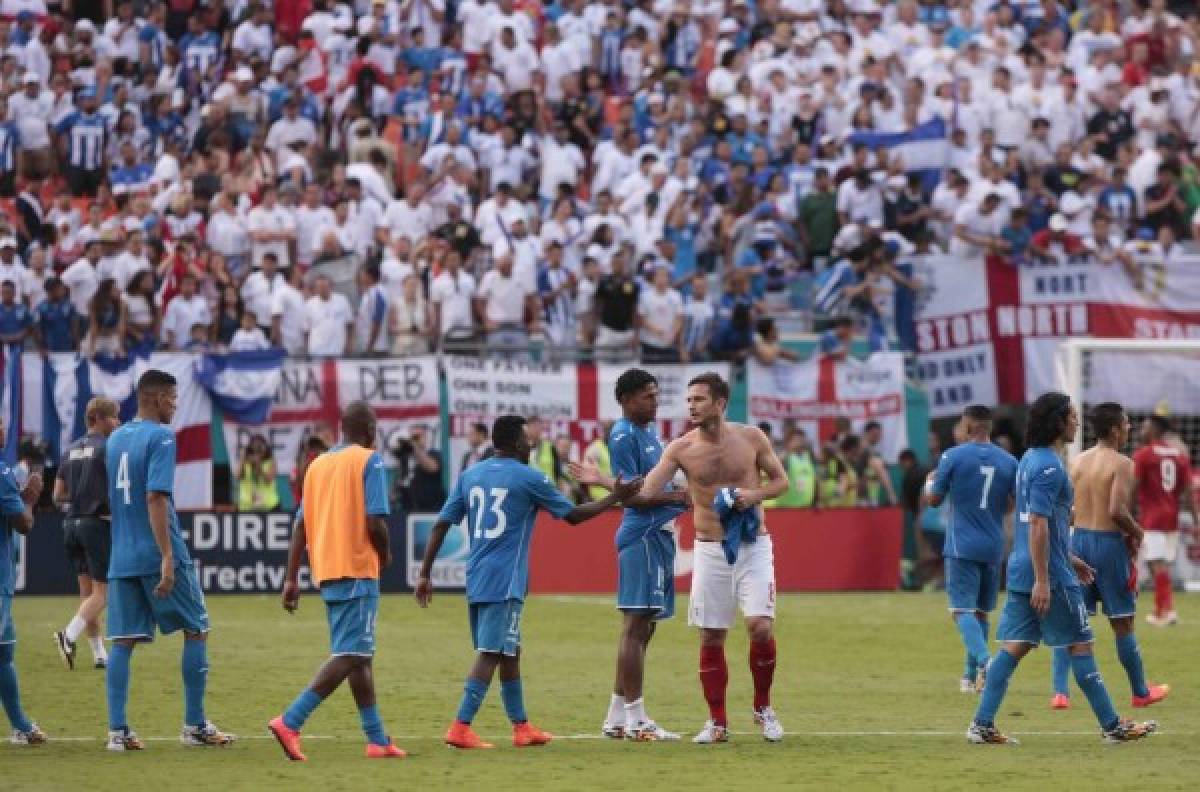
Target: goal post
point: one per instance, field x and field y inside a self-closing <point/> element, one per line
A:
<point x="1145" y="375"/>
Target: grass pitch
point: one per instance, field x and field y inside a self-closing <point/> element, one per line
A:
<point x="866" y="687"/>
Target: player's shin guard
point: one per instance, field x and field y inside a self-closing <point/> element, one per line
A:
<point x="299" y="710"/>
<point x="972" y="636"/>
<point x="1087" y="676"/>
<point x="762" y="669"/>
<point x="372" y="725"/>
<point x="116" y="682"/>
<point x="474" y="692"/>
<point x="1164" y="597"/>
<point x="714" y="676"/>
<point x="1131" y="658"/>
<point x="1060" y="666"/>
<point x="513" y="696"/>
<point x="195" y="680"/>
<point x="10" y="693"/>
<point x="999" y="672"/>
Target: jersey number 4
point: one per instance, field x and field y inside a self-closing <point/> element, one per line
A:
<point x="479" y="500"/>
<point x="123" y="477"/>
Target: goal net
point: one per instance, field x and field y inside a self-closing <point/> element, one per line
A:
<point x="1146" y="377"/>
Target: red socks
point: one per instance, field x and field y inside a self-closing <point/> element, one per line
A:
<point x="1163" y="596"/>
<point x="714" y="676"/>
<point x="762" y="668"/>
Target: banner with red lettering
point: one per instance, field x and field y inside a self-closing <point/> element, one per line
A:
<point x="312" y="394"/>
<point x="813" y="393"/>
<point x="989" y="332"/>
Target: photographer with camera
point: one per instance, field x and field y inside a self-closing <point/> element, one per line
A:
<point x="419" y="486"/>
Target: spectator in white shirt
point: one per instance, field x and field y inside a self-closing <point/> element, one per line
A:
<point x="660" y="314"/>
<point x="504" y="301"/>
<point x="81" y="278"/>
<point x="32" y="109"/>
<point x="226" y="234"/>
<point x="290" y="130"/>
<point x="977" y="228"/>
<point x="330" y="320"/>
<point x="271" y="228"/>
<point x="249" y="337"/>
<point x="289" y="315"/>
<point x="311" y="216"/>
<point x="451" y="295"/>
<point x="259" y="289"/>
<point x="185" y="310"/>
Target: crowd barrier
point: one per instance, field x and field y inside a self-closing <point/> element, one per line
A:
<point x="246" y="553"/>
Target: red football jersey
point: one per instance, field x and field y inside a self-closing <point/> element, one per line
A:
<point x="1162" y="473"/>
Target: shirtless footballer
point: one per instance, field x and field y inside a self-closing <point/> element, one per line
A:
<point x="719" y="454"/>
<point x="1106" y="537"/>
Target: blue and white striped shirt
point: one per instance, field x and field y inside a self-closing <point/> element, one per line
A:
<point x="87" y="138"/>
<point x="559" y="312"/>
<point x="10" y="141"/>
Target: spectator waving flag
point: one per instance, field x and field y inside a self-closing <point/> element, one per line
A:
<point x="924" y="149"/>
<point x="242" y="384"/>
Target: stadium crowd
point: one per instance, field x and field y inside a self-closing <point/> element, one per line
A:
<point x="648" y="178"/>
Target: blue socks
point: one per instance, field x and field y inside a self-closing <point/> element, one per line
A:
<point x="1087" y="676"/>
<point x="473" y="693"/>
<point x="1131" y="658"/>
<point x="10" y="694"/>
<point x="299" y="710"/>
<point x="372" y="725"/>
<point x="973" y="638"/>
<point x="514" y="700"/>
<point x="999" y="672"/>
<point x="116" y="680"/>
<point x="1060" y="664"/>
<point x="195" y="679"/>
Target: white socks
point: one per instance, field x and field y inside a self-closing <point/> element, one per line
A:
<point x="635" y="714"/>
<point x="75" y="628"/>
<point x="616" y="711"/>
<point x="98" y="652"/>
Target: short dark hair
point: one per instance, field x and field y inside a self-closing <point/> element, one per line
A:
<point x="154" y="379"/>
<point x="481" y="428"/>
<point x="718" y="388"/>
<point x="1161" y="423"/>
<point x="633" y="381"/>
<point x="869" y="425"/>
<point x="1047" y="419"/>
<point x="906" y="455"/>
<point x="1105" y="417"/>
<point x="506" y="431"/>
<point x="357" y="419"/>
<point x="979" y="413"/>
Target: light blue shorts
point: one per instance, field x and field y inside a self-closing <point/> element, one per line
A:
<point x="646" y="575"/>
<point x="351" y="607"/>
<point x="972" y="585"/>
<point x="1104" y="551"/>
<point x="1065" y="623"/>
<point x="134" y="610"/>
<point x="496" y="626"/>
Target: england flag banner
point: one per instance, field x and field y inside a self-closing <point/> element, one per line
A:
<point x="813" y="393"/>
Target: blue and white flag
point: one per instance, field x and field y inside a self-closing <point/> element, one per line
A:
<point x="116" y="378"/>
<point x="242" y="384"/>
<point x="66" y="390"/>
<point x="924" y="149"/>
<point x="10" y="409"/>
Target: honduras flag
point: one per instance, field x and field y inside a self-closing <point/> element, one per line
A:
<point x="242" y="384"/>
<point x="924" y="149"/>
<point x="66" y="389"/>
<point x="116" y="378"/>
